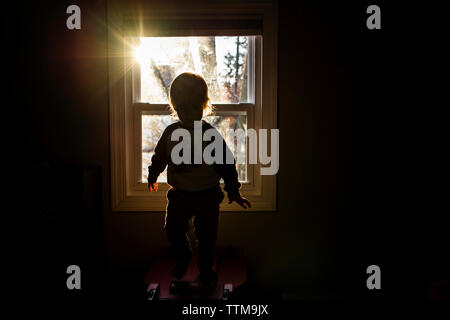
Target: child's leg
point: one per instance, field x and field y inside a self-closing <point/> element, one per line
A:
<point x="206" y="231"/>
<point x="176" y="226"/>
<point x="206" y="224"/>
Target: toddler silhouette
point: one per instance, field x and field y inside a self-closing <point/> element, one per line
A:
<point x="195" y="188"/>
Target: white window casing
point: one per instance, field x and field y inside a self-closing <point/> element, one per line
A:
<point x="255" y="19"/>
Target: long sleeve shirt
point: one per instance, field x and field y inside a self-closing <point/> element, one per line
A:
<point x="192" y="177"/>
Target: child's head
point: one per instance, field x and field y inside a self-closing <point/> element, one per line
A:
<point x="189" y="97"/>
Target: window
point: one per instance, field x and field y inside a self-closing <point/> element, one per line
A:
<point x="147" y="51"/>
<point x="226" y="63"/>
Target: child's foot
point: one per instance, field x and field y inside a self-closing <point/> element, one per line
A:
<point x="180" y="268"/>
<point x="209" y="277"/>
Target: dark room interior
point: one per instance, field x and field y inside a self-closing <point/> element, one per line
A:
<point x="341" y="188"/>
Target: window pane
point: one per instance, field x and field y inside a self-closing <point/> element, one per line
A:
<point x="222" y="61"/>
<point x="152" y="129"/>
<point x="153" y="126"/>
<point x="238" y="143"/>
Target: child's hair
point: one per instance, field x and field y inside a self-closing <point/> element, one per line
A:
<point x="188" y="97"/>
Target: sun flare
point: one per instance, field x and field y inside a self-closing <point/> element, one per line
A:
<point x="140" y="54"/>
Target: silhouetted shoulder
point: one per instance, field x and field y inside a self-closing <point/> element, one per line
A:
<point x="171" y="128"/>
<point x="207" y="126"/>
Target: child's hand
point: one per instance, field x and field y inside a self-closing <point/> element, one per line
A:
<point x="152" y="187"/>
<point x="243" y="202"/>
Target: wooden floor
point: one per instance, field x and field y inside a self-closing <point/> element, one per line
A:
<point x="228" y="262"/>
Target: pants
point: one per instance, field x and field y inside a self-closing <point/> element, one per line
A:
<point x="204" y="206"/>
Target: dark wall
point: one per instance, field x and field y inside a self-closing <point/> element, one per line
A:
<point x="310" y="246"/>
<point x="299" y="249"/>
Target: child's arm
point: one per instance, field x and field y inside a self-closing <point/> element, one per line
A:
<point x="230" y="176"/>
<point x="243" y="202"/>
<point x="159" y="161"/>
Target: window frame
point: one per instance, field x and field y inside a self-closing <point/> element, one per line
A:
<point x="127" y="192"/>
<point x="253" y="93"/>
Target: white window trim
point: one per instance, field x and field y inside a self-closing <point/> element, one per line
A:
<point x="127" y="193"/>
